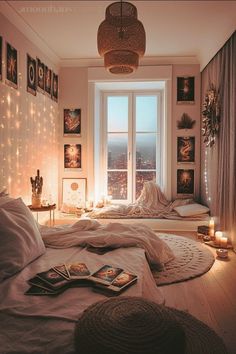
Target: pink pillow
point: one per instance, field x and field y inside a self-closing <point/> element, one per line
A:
<point x="20" y="239"/>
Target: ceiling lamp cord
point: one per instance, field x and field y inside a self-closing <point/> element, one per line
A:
<point x="121" y="38"/>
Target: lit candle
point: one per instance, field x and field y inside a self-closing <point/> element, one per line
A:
<point x="211" y="227"/>
<point x="218" y="236"/>
<point x="223" y="242"/>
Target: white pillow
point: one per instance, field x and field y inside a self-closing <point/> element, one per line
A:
<point x="4" y="193"/>
<point x="5" y="199"/>
<point x="191" y="209"/>
<point x="20" y="239"/>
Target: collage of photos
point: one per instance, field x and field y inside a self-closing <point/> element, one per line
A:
<point x="185" y="144"/>
<point x="73" y="189"/>
<point x="39" y="77"/>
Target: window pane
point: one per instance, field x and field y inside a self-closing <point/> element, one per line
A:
<point x="117" y="114"/>
<point x="145" y="151"/>
<point x="117" y="151"/>
<point x="146" y="113"/>
<point x="117" y="184"/>
<point x="142" y="177"/>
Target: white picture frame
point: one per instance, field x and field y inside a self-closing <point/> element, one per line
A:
<point x="74" y="192"/>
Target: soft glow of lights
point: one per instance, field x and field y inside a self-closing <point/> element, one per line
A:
<point x="206" y="176"/>
<point x="8" y="99"/>
<point x="28" y="140"/>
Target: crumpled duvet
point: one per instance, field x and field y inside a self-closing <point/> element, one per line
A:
<point x="87" y="232"/>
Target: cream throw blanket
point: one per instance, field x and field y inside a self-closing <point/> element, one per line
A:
<point x="152" y="203"/>
<point x="86" y="232"/>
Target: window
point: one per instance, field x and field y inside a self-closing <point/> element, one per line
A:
<point x="131" y="142"/>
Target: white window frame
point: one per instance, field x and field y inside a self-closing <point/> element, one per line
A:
<point x="131" y="153"/>
<point x="98" y="80"/>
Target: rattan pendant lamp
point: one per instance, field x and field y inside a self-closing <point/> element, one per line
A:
<point x="121" y="38"/>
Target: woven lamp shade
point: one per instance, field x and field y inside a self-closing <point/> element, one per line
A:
<point x="121" y="38"/>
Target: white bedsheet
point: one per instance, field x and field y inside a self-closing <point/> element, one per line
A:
<point x="45" y="324"/>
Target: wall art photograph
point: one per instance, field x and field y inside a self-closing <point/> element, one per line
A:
<point x="72" y="156"/>
<point x="185" y="90"/>
<point x="11" y="66"/>
<point x="0" y="58"/>
<point x="48" y="80"/>
<point x="74" y="192"/>
<point x="185" y="181"/>
<point x="31" y="75"/>
<point x="72" y="122"/>
<point x="54" y="87"/>
<point x="185" y="149"/>
<point x="40" y="76"/>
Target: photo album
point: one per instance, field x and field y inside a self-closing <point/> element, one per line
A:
<point x="108" y="279"/>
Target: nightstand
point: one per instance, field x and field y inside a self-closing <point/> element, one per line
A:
<point x="51" y="208"/>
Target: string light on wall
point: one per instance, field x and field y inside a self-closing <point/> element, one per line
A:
<point x="206" y="177"/>
<point x="121" y="38"/>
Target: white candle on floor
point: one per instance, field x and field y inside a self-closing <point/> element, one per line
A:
<point x="211" y="227"/>
<point x="218" y="236"/>
<point x="223" y="242"/>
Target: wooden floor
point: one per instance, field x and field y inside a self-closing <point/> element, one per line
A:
<point x="211" y="297"/>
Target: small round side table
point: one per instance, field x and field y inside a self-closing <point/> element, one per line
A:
<point x="51" y="208"/>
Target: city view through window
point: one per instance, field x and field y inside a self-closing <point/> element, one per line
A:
<point x="132" y="140"/>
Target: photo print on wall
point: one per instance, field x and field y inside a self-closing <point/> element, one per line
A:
<point x="48" y="80"/>
<point x="11" y="66"/>
<point x="185" y="181"/>
<point x="74" y="191"/>
<point x="185" y="90"/>
<point x="185" y="149"/>
<point x="40" y="76"/>
<point x="0" y="58"/>
<point x="186" y="122"/>
<point x="54" y="87"/>
<point x="72" y="156"/>
<point x="72" y="122"/>
<point x="31" y="75"/>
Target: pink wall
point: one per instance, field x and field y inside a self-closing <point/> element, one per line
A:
<point x="28" y="125"/>
<point x="74" y="94"/>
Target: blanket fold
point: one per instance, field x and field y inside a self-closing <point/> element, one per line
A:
<point x="86" y="232"/>
<point x="152" y="203"/>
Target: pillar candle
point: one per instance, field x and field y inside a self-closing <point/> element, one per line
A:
<point x="223" y="242"/>
<point x="211" y="227"/>
<point x="218" y="236"/>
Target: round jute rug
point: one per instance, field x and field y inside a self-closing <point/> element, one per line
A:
<point x="191" y="260"/>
